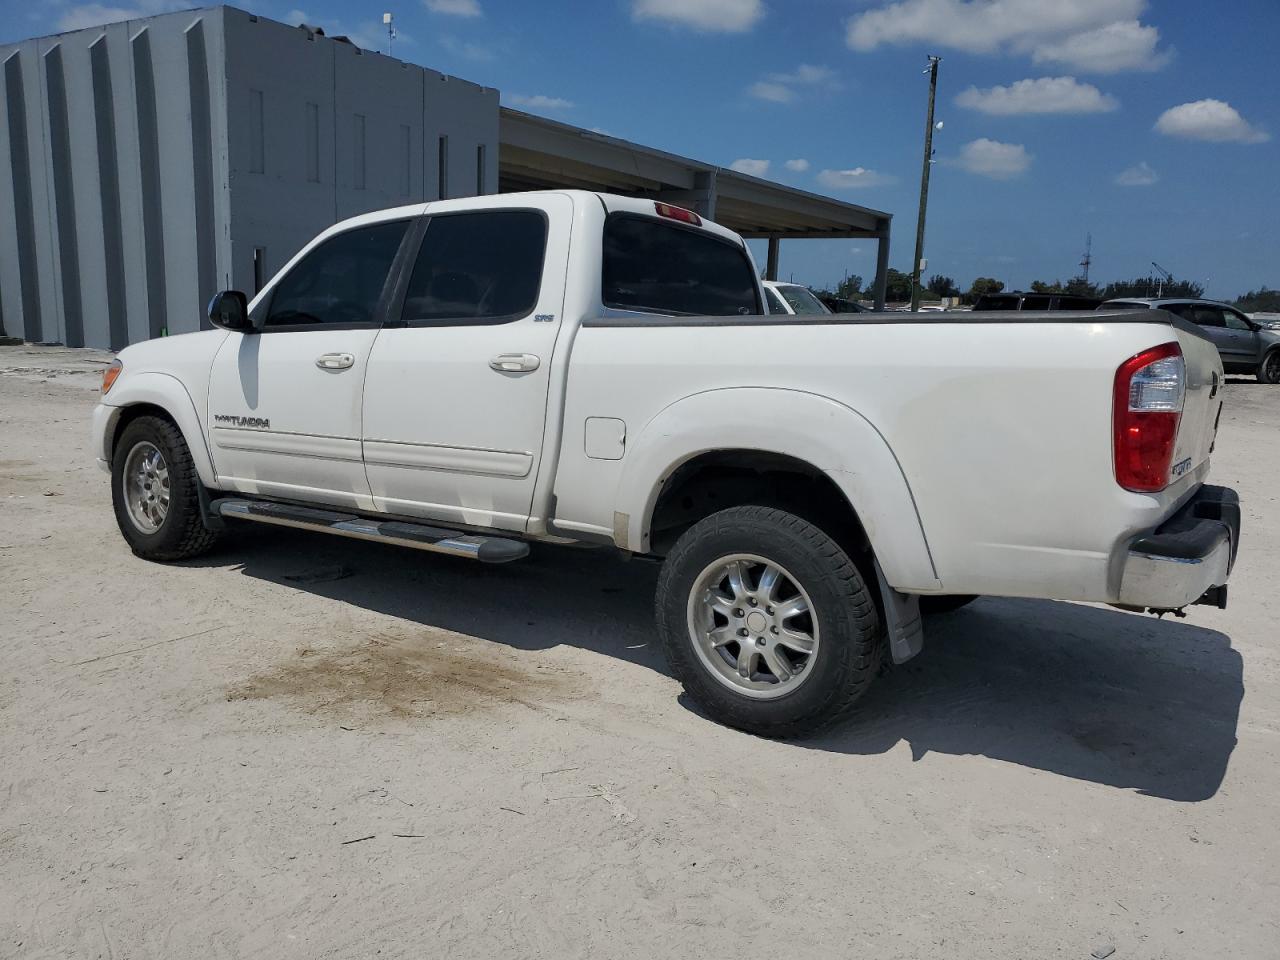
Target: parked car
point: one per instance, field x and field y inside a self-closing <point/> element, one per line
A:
<point x="791" y="299"/>
<point x="1035" y="301"/>
<point x="1246" y="345"/>
<point x="473" y="376"/>
<point x="842" y="305"/>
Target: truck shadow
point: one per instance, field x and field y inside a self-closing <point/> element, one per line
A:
<point x="1085" y="692"/>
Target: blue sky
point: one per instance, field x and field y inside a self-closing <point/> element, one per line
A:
<point x="1155" y="126"/>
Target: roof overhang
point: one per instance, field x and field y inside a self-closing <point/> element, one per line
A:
<point x="538" y="154"/>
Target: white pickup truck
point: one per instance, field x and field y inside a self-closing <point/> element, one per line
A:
<point x="472" y="376"/>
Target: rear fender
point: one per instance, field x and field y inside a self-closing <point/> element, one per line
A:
<point x="814" y="429"/>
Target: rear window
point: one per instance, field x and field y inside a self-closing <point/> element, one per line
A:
<point x="662" y="268"/>
<point x="989" y="302"/>
<point x="775" y="303"/>
<point x="802" y="300"/>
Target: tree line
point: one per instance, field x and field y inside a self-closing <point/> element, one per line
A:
<point x="939" y="286"/>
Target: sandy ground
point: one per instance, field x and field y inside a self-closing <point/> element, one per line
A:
<point x="244" y="757"/>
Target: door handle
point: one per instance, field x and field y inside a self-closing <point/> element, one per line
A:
<point x="335" y="361"/>
<point x="514" y="362"/>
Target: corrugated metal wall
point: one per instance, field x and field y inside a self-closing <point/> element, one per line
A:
<point x="145" y="165"/>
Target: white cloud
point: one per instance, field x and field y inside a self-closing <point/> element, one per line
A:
<point x="799" y="165"/>
<point x="454" y="8"/>
<point x="755" y="168"/>
<point x="855" y="178"/>
<point x="1091" y="35"/>
<point x="806" y="73"/>
<point x="1211" y="120"/>
<point x="539" y="102"/>
<point x="1139" y="175"/>
<point x="96" y="14"/>
<point x="991" y="158"/>
<point x="711" y="16"/>
<point x="465" y="50"/>
<point x="773" y="92"/>
<point x="781" y="87"/>
<point x="1123" y="45"/>
<point x="1042" y="95"/>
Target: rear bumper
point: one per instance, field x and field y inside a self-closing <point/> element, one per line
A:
<point x="1187" y="557"/>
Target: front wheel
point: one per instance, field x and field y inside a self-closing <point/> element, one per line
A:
<point x="154" y="492"/>
<point x="766" y="622"/>
<point x="1269" y="369"/>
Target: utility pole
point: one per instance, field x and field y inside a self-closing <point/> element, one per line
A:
<point x="924" y="183"/>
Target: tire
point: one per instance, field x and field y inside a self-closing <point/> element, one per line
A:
<point x="946" y="603"/>
<point x="812" y="572"/>
<point x="1269" y="368"/>
<point x="153" y="530"/>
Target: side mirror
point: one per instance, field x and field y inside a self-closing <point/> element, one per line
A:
<point x="230" y="310"/>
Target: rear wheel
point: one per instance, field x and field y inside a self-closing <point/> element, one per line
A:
<point x="1269" y="369"/>
<point x="155" y="494"/>
<point x="767" y="622"/>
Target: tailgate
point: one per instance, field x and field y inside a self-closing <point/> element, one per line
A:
<point x="1203" y="403"/>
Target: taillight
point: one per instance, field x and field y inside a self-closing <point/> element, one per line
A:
<point x="677" y="213"/>
<point x="1147" y="407"/>
<point x="109" y="375"/>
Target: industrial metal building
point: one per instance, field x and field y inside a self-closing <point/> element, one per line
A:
<point x="146" y="164"/>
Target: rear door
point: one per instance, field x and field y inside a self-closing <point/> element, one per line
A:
<point x="456" y="394"/>
<point x="284" y="404"/>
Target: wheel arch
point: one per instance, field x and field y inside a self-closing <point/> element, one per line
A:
<point x="161" y="395"/>
<point x="833" y="447"/>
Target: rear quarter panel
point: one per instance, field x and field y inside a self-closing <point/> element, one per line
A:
<point x="1002" y="431"/>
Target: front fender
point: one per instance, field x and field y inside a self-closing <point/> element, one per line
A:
<point x="170" y="395"/>
<point x="817" y="430"/>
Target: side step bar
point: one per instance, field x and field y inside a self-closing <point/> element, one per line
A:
<point x="420" y="536"/>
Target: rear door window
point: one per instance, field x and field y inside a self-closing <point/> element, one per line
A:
<point x="1207" y="316"/>
<point x="480" y="267"/>
<point x="657" y="267"/>
<point x="775" y="302"/>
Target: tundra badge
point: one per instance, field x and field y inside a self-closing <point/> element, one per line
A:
<point x="230" y="420"/>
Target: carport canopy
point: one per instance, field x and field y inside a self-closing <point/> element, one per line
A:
<point x="539" y="154"/>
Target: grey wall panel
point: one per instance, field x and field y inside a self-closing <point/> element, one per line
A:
<point x="279" y="209"/>
<point x="388" y="95"/>
<point x="10" y="295"/>
<point x="177" y="189"/>
<point x="150" y="186"/>
<point x="201" y="168"/>
<point x="468" y="115"/>
<point x="64" y="197"/>
<point x="108" y="174"/>
<point x="90" y="277"/>
<point x="48" y="267"/>
<point x="22" y="288"/>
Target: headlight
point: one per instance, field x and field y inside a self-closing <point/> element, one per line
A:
<point x="110" y="374"/>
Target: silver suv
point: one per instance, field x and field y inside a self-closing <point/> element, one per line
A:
<point x="1245" y="345"/>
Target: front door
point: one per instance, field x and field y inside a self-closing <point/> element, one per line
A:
<point x="284" y="404"/>
<point x="456" y="395"/>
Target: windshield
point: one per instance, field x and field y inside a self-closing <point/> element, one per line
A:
<point x="802" y="301"/>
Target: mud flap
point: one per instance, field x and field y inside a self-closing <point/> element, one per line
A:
<point x="902" y="620"/>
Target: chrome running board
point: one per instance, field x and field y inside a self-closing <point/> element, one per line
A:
<point x="419" y="536"/>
